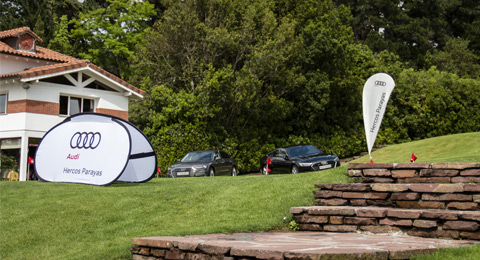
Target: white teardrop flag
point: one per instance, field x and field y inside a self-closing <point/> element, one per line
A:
<point x="376" y="93"/>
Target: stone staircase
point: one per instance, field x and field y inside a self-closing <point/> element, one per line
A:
<point x="436" y="200"/>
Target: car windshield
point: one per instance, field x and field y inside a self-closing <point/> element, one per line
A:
<point x="198" y="157"/>
<point x="303" y="151"/>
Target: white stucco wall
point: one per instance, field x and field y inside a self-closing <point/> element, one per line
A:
<point x="13" y="63"/>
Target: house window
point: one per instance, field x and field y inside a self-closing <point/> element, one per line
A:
<point x="3" y="103"/>
<point x="74" y="105"/>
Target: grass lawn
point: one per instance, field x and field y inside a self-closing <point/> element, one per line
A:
<point x="71" y="221"/>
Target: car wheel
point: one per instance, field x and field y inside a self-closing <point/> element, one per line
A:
<point x="264" y="170"/>
<point x="294" y="169"/>
<point x="234" y="171"/>
<point x="211" y="172"/>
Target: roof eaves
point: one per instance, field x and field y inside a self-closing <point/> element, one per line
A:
<point x="118" y="81"/>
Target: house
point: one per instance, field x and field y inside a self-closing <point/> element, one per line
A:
<point x="39" y="88"/>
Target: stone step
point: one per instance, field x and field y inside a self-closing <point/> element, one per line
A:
<point x="414" y="222"/>
<point x="457" y="196"/>
<point x="415" y="172"/>
<point x="288" y="246"/>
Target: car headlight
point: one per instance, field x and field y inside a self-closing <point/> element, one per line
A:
<point x="305" y="164"/>
<point x="199" y="167"/>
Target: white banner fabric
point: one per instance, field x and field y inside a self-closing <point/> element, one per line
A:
<point x="376" y="93"/>
<point x="94" y="149"/>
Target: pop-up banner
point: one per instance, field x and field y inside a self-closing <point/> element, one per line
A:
<point x="96" y="149"/>
<point x="376" y="93"/>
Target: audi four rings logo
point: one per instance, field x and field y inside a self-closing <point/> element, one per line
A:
<point x="85" y="140"/>
<point x="380" y="83"/>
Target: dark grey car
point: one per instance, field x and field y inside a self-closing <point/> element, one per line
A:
<point x="204" y="163"/>
<point x="298" y="158"/>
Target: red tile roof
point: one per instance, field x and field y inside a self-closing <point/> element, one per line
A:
<point x="65" y="62"/>
<point x="19" y="31"/>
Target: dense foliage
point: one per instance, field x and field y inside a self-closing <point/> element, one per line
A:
<point x="247" y="76"/>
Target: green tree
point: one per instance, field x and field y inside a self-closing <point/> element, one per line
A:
<point x="411" y="28"/>
<point x="108" y="36"/>
<point x="257" y="74"/>
<point x="36" y="14"/>
<point x="456" y="58"/>
<point x="61" y="40"/>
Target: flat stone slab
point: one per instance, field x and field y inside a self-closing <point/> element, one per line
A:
<point x="290" y="245"/>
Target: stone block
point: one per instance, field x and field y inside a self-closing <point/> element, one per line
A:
<point x="470" y="172"/>
<point x="421" y="223"/>
<point x="380" y="229"/>
<point x="158" y="252"/>
<point x="358" y="202"/>
<point x="420" y="204"/>
<point x="185" y="246"/>
<point x="396" y="222"/>
<point x="342" y="211"/>
<point x="371" y="212"/>
<point x="471" y="187"/>
<point x="365" y="195"/>
<point x="461" y="225"/>
<point x="438" y="173"/>
<point x="465" y="179"/>
<point x="351" y="187"/>
<point x="416" y="232"/>
<point x="470" y="235"/>
<point x="315" y="219"/>
<point x="425" y="180"/>
<point x="360" y="221"/>
<point x="310" y="227"/>
<point x="436" y="188"/>
<point x="405" y="196"/>
<point x="463" y="205"/>
<point x="377" y="180"/>
<point x="340" y="228"/>
<point x="370" y="166"/>
<point x="331" y="202"/>
<point x="447" y="197"/>
<point x="453" y="234"/>
<point x="455" y="165"/>
<point x="400" y="174"/>
<point x="384" y="187"/>
<point x="402" y="213"/>
<point x="143" y="251"/>
<point x="475" y="215"/>
<point x="413" y="166"/>
<point x="380" y="203"/>
<point x="476" y="198"/>
<point x="197" y="256"/>
<point x="336" y="220"/>
<point x="327" y="194"/>
<point x="354" y="173"/>
<point x="445" y="215"/>
<point x="213" y="250"/>
<point x="376" y="172"/>
<point x="174" y="254"/>
<point x="256" y="253"/>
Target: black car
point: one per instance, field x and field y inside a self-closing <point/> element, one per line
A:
<point x="204" y="163"/>
<point x="298" y="158"/>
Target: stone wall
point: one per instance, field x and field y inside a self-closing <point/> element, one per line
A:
<point x="415" y="222"/>
<point x="457" y="196"/>
<point x="415" y="172"/>
<point x="419" y="199"/>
